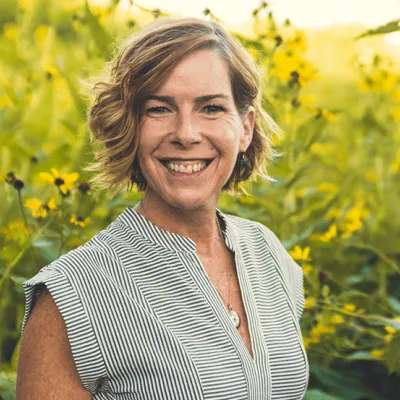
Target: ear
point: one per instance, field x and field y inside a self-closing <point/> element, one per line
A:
<point x="248" y="121"/>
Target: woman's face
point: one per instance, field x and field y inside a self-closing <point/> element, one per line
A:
<point x="191" y="120"/>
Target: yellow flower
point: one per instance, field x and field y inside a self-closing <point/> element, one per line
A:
<point x="306" y="342"/>
<point x="11" y="32"/>
<point x="63" y="181"/>
<point x="78" y="220"/>
<point x="306" y="99"/>
<point x="353" y="220"/>
<point x="337" y="319"/>
<point x="307" y="268"/>
<point x="16" y="231"/>
<point x="377" y="354"/>
<point x="284" y="64"/>
<point x="51" y="70"/>
<point x="349" y="307"/>
<point x="329" y="234"/>
<point x="297" y="43"/>
<point x="300" y="255"/>
<point x="320" y="329"/>
<point x="390" y="330"/>
<point x="309" y="302"/>
<point x="39" y="209"/>
<point x="307" y="73"/>
<point x="52" y="204"/>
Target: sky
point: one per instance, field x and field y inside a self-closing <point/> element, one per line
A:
<point x="303" y="13"/>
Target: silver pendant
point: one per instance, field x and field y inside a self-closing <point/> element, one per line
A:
<point x="234" y="318"/>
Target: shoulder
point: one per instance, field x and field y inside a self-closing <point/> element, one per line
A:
<point x="255" y="228"/>
<point x="46" y="366"/>
<point x="96" y="253"/>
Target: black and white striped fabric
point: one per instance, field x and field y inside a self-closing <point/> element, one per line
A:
<point x="145" y="322"/>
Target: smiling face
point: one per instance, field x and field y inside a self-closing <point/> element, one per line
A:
<point x="192" y="120"/>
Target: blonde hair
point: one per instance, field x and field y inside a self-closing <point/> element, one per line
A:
<point x="142" y="63"/>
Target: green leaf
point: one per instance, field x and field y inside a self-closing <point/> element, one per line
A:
<point x="48" y="247"/>
<point x="288" y="244"/>
<point x="393" y="354"/>
<point x="392" y="26"/>
<point x="315" y="394"/>
<point x="360" y="355"/>
<point x="395" y="304"/>
<point x="15" y="355"/>
<point x="348" y="386"/>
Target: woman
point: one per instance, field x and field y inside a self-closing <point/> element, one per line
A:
<point x="174" y="299"/>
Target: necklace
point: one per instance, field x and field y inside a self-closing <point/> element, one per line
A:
<point x="234" y="316"/>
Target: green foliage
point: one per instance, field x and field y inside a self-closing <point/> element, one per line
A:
<point x="334" y="203"/>
<point x="389" y="27"/>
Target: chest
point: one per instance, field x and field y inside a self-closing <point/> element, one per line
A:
<point x="170" y="336"/>
<point x="222" y="273"/>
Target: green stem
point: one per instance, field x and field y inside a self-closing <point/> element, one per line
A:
<point x="14" y="262"/>
<point x="29" y="232"/>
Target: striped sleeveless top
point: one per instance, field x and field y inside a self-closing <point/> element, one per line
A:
<point x="145" y="322"/>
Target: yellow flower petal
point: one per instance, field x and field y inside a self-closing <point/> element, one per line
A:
<point x="390" y="330"/>
<point x="52" y="204"/>
<point x="349" y="307"/>
<point x="63" y="188"/>
<point x="337" y="319"/>
<point x="70" y="178"/>
<point x="33" y="204"/>
<point x="55" y="172"/>
<point x="377" y="353"/>
<point x="47" y="177"/>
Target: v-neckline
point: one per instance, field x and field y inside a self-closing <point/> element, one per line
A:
<point x="177" y="243"/>
<point x="228" y="324"/>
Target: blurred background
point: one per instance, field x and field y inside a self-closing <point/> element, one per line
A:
<point x="331" y="80"/>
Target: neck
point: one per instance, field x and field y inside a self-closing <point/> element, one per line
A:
<point x="200" y="224"/>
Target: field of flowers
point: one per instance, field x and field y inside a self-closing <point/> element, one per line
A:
<point x="335" y="203"/>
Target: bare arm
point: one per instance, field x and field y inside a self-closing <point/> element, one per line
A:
<point x="46" y="369"/>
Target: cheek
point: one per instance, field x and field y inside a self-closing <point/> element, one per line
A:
<point x="227" y="132"/>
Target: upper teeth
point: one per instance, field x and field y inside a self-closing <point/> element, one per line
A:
<point x="188" y="169"/>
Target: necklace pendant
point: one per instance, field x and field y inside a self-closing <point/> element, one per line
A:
<point x="234" y="316"/>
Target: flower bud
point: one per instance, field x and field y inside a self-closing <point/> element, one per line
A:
<point x="18" y="184"/>
<point x="323" y="276"/>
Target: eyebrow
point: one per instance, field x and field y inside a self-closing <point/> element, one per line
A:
<point x="198" y="100"/>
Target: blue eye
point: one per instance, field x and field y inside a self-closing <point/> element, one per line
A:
<point x="214" y="108"/>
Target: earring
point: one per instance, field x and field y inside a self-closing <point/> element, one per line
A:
<point x="243" y="161"/>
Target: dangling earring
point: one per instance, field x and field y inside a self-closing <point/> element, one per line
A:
<point x="243" y="161"/>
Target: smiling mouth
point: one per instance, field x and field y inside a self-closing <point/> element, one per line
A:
<point x="185" y="170"/>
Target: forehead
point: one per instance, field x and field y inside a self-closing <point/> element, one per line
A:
<point x="201" y="73"/>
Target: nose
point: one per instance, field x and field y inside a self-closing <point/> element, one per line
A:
<point x="186" y="132"/>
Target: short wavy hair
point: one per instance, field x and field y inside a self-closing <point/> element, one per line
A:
<point x="139" y="68"/>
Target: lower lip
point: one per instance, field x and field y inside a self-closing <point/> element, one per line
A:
<point x="184" y="175"/>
